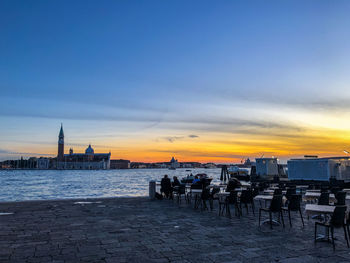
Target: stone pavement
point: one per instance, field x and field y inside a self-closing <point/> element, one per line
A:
<point x="139" y="230"/>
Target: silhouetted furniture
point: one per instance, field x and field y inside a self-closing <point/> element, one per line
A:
<point x="277" y="191"/>
<point x="324" y="199"/>
<point x="225" y="200"/>
<point x="247" y="199"/>
<point x="337" y="221"/>
<point x="294" y="205"/>
<point x="275" y="207"/>
<point x="180" y="191"/>
<point x="205" y="196"/>
<point x="213" y="196"/>
<point x="290" y="192"/>
<point x="340" y="196"/>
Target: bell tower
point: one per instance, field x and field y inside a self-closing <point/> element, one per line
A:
<point x="60" y="153"/>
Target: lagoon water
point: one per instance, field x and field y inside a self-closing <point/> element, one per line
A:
<point x="19" y="185"/>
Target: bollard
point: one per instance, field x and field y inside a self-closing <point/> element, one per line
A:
<point x="152" y="190"/>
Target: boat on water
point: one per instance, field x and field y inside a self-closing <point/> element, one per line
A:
<point x="172" y="168"/>
<point x="239" y="173"/>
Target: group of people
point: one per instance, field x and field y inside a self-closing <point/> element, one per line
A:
<point x="167" y="186"/>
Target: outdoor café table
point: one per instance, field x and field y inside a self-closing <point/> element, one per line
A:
<point x="310" y="196"/>
<point x="311" y="209"/>
<point x="302" y="188"/>
<point x="197" y="197"/>
<point x="271" y="191"/>
<point x="347" y="190"/>
<point x="243" y="183"/>
<point x="313" y="191"/>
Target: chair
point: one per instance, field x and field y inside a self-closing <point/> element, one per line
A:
<point x="294" y="205"/>
<point x="336" y="221"/>
<point x="324" y="198"/>
<point x="247" y="198"/>
<point x="224" y="204"/>
<point x="340" y="196"/>
<point x="277" y="191"/>
<point x="205" y="196"/>
<point x="290" y="192"/>
<point x="213" y="196"/>
<point x="275" y="207"/>
<point x="180" y="191"/>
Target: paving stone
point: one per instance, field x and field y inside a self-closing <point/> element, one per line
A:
<point x="139" y="230"/>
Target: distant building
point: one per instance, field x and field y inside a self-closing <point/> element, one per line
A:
<point x="43" y="163"/>
<point x="85" y="161"/>
<point x="266" y="167"/>
<point x="312" y="168"/>
<point x="120" y="164"/>
<point x="174" y="163"/>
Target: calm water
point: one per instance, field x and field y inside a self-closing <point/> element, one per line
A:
<point x="18" y="185"/>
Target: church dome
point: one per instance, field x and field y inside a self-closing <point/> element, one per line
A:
<point x="89" y="150"/>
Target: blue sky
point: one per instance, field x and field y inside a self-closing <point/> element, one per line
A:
<point x="139" y="77"/>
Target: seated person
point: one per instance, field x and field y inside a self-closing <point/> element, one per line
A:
<point x="232" y="184"/>
<point x="195" y="180"/>
<point x="166" y="186"/>
<point x="176" y="181"/>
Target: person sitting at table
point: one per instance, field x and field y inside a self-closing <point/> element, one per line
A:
<point x="232" y="184"/>
<point x="166" y="186"/>
<point x="195" y="180"/>
<point x="176" y="181"/>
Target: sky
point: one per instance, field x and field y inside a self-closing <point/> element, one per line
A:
<point x="208" y="81"/>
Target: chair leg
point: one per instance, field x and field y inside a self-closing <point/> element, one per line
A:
<point x="259" y="216"/>
<point x="270" y="214"/>
<point x="228" y="210"/>
<point x="237" y="210"/>
<point x="346" y="236"/>
<point x="282" y="218"/>
<point x="253" y="208"/>
<point x="290" y="220"/>
<point x="315" y="232"/>
<point x="332" y="234"/>
<point x="301" y="215"/>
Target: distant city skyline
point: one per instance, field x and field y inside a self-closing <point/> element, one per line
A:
<point x="206" y="81"/>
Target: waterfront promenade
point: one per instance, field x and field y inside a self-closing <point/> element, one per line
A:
<point x="139" y="230"/>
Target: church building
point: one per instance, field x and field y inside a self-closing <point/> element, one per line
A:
<point x="81" y="161"/>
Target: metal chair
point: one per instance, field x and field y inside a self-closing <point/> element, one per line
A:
<point x="246" y="199"/>
<point x="294" y="205"/>
<point x="275" y="207"/>
<point x="336" y="221"/>
<point x="340" y="196"/>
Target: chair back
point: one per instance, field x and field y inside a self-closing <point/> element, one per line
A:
<point x="324" y="189"/>
<point x="181" y="189"/>
<point x="340" y="196"/>
<point x="246" y="196"/>
<point x="335" y="190"/>
<point x="255" y="191"/>
<point x="290" y="192"/>
<point x="324" y="199"/>
<point x="205" y="194"/>
<point x="276" y="203"/>
<point x="232" y="198"/>
<point x="277" y="192"/>
<point x="294" y="202"/>
<point x="215" y="190"/>
<point x="338" y="216"/>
